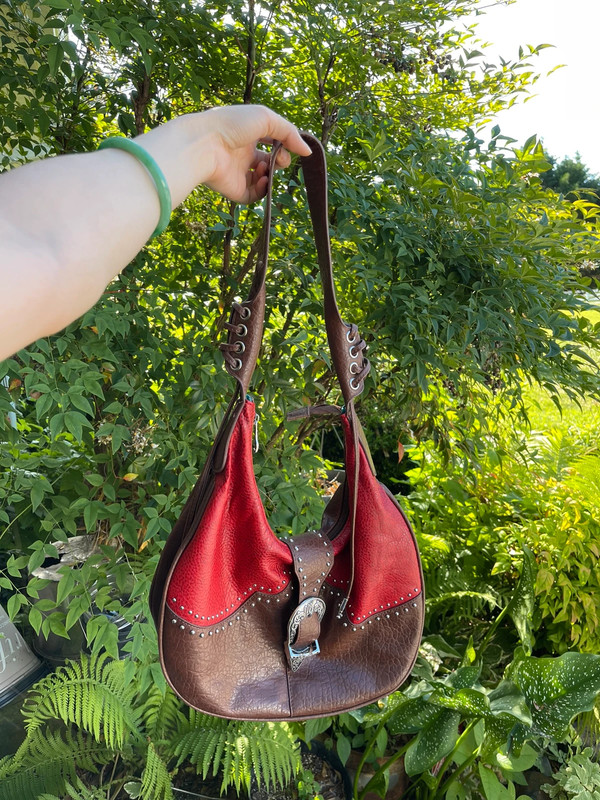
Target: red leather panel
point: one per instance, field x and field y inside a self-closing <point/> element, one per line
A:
<point x="387" y="572"/>
<point x="233" y="553"/>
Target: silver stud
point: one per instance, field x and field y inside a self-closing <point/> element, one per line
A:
<point x="216" y="630"/>
<point x="268" y="601"/>
<point x="231" y="623"/>
<point x="303" y="593"/>
<point x="210" y="633"/>
<point x="174" y="621"/>
<point x="387" y="616"/>
<point x="182" y="607"/>
<point x="296" y="547"/>
<point x="397" y="613"/>
<point x="328" y="564"/>
<point x="279" y="587"/>
<point x="190" y="612"/>
<point x="354" y="629"/>
<point x="253" y="605"/>
<point x="300" y="569"/>
<point x="182" y="627"/>
<point x="370" y="621"/>
<point x="362" y="627"/>
<point x="414" y="605"/>
<point x="192" y="632"/>
<point x="406" y="610"/>
<point x="202" y="636"/>
<point x="277" y="599"/>
<point x="245" y="611"/>
<point x="239" y="598"/>
<point x="299" y="559"/>
<point x="238" y="619"/>
<point x="259" y="598"/>
<point x="323" y="575"/>
<point x="195" y="616"/>
<point x="345" y="624"/>
<point x="409" y="594"/>
<point x="327" y="554"/>
<point x="201" y="617"/>
<point x="173" y="599"/>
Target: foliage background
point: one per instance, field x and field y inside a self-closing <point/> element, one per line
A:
<point x="465" y="272"/>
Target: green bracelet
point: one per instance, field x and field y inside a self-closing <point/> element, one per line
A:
<point x="162" y="187"/>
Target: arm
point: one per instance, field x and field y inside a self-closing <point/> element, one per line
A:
<point x="69" y="224"/>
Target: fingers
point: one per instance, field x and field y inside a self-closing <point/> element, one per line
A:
<point x="279" y="128"/>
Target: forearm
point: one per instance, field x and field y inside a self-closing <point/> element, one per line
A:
<point x="111" y="207"/>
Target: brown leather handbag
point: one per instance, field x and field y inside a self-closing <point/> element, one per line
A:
<point x="252" y="626"/>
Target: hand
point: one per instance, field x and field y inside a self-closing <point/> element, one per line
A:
<point x="238" y="169"/>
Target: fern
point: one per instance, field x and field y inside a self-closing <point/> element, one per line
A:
<point x="162" y="713"/>
<point x="239" y="749"/>
<point x="90" y="694"/>
<point x="156" y="781"/>
<point x="45" y="762"/>
<point x="585" y="478"/>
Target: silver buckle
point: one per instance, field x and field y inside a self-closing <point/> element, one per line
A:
<point x="308" y="607"/>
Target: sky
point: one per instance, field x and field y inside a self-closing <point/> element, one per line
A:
<point x="566" y="110"/>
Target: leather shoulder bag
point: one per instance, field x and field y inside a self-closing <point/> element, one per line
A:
<point x="252" y="626"/>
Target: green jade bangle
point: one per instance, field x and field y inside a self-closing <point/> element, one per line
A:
<point x="162" y="187"/>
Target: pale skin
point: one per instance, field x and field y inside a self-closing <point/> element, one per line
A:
<point x="70" y="224"/>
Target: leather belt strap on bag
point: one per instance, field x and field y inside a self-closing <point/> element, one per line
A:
<point x="252" y="626"/>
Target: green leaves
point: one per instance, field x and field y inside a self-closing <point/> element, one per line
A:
<point x="434" y="741"/>
<point x="557" y="689"/>
<point x="522" y="603"/>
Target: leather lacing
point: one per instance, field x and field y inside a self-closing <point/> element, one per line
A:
<point x="357" y="345"/>
<point x="229" y="348"/>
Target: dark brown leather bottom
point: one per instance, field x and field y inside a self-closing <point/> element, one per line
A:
<point x="241" y="665"/>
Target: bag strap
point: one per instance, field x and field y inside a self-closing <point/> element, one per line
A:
<point x="246" y="322"/>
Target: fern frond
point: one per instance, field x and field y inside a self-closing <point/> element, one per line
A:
<point x="585" y="478"/>
<point x="91" y="694"/>
<point x="45" y="762"/>
<point x="239" y="749"/>
<point x="156" y="780"/>
<point x="162" y="713"/>
<point x="452" y="596"/>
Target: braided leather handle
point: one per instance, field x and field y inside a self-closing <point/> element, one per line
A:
<point x="246" y="322"/>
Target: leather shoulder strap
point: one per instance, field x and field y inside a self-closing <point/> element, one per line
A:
<point x="247" y="319"/>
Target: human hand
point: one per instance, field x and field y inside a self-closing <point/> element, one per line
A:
<point x="237" y="169"/>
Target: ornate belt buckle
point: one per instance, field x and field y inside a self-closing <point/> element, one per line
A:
<point x="308" y="607"/>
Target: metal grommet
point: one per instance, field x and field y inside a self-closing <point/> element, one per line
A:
<point x="348" y="339"/>
<point x="354" y="384"/>
<point x="240" y="347"/>
<point x="237" y="364"/>
<point x="246" y="312"/>
<point x="354" y="368"/>
<point x="353" y="352"/>
<point x="242" y="329"/>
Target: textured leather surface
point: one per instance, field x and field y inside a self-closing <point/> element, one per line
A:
<point x="230" y="659"/>
<point x="233" y="553"/>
